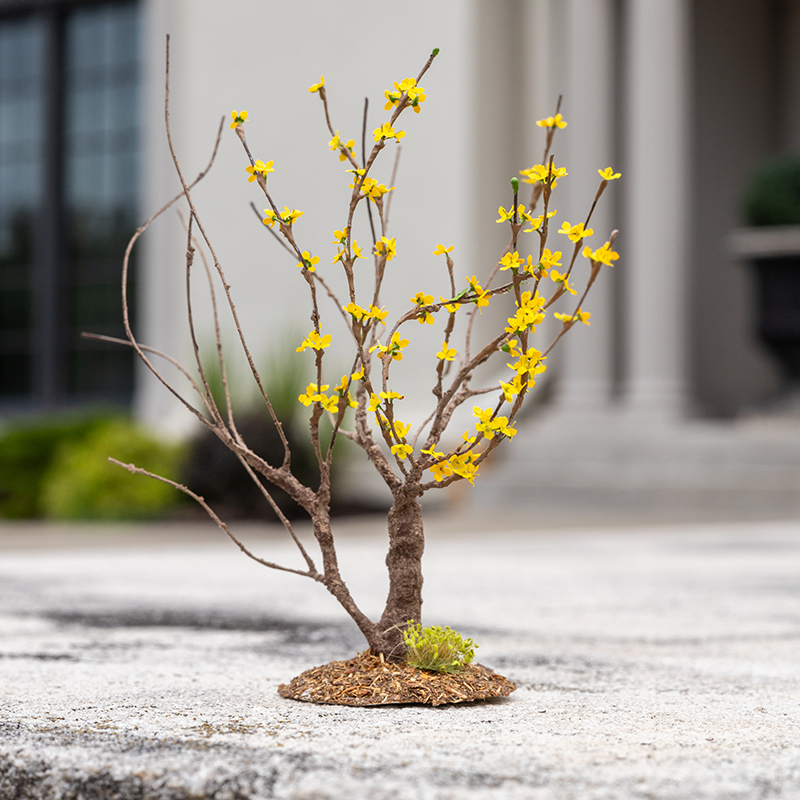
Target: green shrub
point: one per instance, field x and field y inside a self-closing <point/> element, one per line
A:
<point x="437" y="649"/>
<point x="82" y="484"/>
<point x="772" y="196"/>
<point x="27" y="450"/>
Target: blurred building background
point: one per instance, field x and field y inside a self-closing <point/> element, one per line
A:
<point x="668" y="399"/>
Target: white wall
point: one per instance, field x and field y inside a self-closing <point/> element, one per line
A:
<point x="262" y="55"/>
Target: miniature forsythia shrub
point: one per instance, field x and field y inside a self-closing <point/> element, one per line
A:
<point x="437" y="649"/>
<point x="365" y="403"/>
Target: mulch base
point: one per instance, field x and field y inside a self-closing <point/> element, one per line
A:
<point x="368" y="680"/>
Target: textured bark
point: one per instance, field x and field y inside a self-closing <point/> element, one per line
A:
<point x="404" y="562"/>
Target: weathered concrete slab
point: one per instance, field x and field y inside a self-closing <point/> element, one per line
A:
<point x="651" y="662"/>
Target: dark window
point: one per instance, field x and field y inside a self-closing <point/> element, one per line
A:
<point x="69" y="171"/>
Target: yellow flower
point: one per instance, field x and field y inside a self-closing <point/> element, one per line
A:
<point x="386" y="131"/>
<point x="386" y="247"/>
<point x="451" y="307"/>
<point x="575" y="232"/>
<point x="337" y="144"/>
<point x="290" y="217"/>
<point x="441" y="470"/>
<point x="529" y="364"/>
<point x="401" y="429"/>
<point x="557" y="277"/>
<point x="315" y="341"/>
<point x="396" y="346"/>
<point x="358" y="375"/>
<point x="408" y="86"/>
<point x="422" y="300"/>
<point x="369" y="187"/>
<point x="508" y="216"/>
<point x="374" y="402"/>
<point x="603" y="255"/>
<point x="510" y="261"/>
<point x="357" y="250"/>
<point x="550" y="260"/>
<point x="314" y="395"/>
<point x="579" y="316"/>
<point x="317" y="86"/>
<point x="512" y="389"/>
<point x="552" y="122"/>
<point x="606" y="174"/>
<point x="340" y="237"/>
<point x="536" y="222"/>
<point x="238" y="118"/>
<point x="259" y="168"/>
<point x="431" y="451"/>
<point x="539" y="173"/>
<point x="464" y="465"/>
<point x="391" y="395"/>
<point x="355" y="311"/>
<point x="402" y="450"/>
<point x="441" y="250"/>
<point x="446" y="353"/>
<point x="378" y="314"/>
<point x="481" y="297"/>
<point x="309" y="262"/>
<point x="271" y="217"/>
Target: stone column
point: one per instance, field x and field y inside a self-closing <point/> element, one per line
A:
<point x="655" y="239"/>
<point x="586" y="361"/>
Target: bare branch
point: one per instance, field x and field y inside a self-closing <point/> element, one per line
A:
<point x="202" y="503"/>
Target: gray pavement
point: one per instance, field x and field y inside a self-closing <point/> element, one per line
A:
<point x="651" y="661"/>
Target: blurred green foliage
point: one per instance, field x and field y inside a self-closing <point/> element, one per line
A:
<point x="772" y="196"/>
<point x="27" y="449"/>
<point x="57" y="466"/>
<point x="82" y="484"/>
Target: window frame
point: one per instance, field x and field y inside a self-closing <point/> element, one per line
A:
<point x="49" y="274"/>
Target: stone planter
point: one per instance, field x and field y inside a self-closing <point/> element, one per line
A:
<point x="774" y="253"/>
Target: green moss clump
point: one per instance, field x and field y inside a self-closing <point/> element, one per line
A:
<point x="437" y="649"/>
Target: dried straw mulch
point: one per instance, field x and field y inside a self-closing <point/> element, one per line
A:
<point x="368" y="680"/>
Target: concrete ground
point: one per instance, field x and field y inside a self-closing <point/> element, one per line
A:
<point x="652" y="661"/>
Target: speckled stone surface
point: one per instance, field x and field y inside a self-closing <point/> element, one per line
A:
<point x="655" y="662"/>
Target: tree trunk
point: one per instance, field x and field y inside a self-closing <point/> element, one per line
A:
<point x="404" y="562"/>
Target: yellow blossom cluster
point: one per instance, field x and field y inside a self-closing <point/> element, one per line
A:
<point x="238" y="118"/>
<point x="361" y="314"/>
<point x="408" y="86"/>
<point x="315" y="341"/>
<point x="525" y="363"/>
<point x="489" y="423"/>
<point x="345" y="149"/>
<point x="259" y="168"/>
<point x="394" y="349"/>
<point x="386" y="247"/>
<point x="330" y="403"/>
<point x="546" y="174"/>
<point x="603" y="255"/>
<point x="424" y="316"/>
<point x="529" y="313"/>
<point x="386" y="131"/>
<point x="578" y="316"/>
<point x="527" y="366"/>
<point x="340" y="238"/>
<point x="552" y="122"/>
<point x="287" y="217"/>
